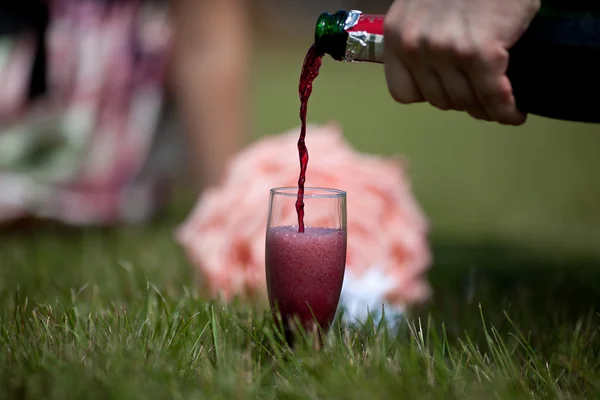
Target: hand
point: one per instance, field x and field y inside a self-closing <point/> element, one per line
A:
<point x="454" y="54"/>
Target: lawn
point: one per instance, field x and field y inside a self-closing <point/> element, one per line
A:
<point x="116" y="313"/>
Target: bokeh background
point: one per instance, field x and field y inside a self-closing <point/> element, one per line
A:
<point x="534" y="186"/>
<point x="519" y="200"/>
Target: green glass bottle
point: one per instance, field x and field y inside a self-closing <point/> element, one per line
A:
<point x="554" y="68"/>
<point x="350" y="36"/>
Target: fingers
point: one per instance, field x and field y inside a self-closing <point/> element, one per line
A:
<point x="455" y="81"/>
<point x="461" y="93"/>
<point x="428" y="79"/>
<point x="400" y="81"/>
<point x="446" y="67"/>
<point x="493" y="88"/>
<point x="401" y="84"/>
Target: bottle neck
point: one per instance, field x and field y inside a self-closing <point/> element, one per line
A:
<point x="350" y="36"/>
<point x="330" y="34"/>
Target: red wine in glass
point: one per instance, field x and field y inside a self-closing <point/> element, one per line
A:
<point x="305" y="270"/>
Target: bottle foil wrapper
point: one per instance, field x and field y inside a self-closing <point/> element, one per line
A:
<point x="362" y="45"/>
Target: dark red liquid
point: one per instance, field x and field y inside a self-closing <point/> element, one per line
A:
<point x="305" y="273"/>
<point x="310" y="70"/>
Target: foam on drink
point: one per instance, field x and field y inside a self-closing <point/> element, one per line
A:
<point x="305" y="269"/>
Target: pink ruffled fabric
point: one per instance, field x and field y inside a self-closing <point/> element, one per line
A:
<point x="107" y="64"/>
<point x="224" y="236"/>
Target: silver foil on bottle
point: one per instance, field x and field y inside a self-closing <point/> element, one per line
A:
<point x="362" y="45"/>
<point x="352" y="19"/>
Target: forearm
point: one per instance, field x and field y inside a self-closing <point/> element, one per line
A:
<point x="210" y="76"/>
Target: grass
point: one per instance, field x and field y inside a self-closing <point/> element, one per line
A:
<point x="117" y="313"/>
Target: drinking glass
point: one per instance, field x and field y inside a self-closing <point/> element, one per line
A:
<point x="305" y="271"/>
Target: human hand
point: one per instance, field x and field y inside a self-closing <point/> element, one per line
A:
<point x="454" y="54"/>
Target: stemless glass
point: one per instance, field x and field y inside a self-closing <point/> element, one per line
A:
<point x="305" y="271"/>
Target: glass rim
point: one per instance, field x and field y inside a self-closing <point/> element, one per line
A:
<point x="322" y="192"/>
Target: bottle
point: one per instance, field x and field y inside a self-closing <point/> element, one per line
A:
<point x="350" y="36"/>
<point x="554" y="68"/>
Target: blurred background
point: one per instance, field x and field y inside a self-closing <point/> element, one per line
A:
<point x="534" y="186"/>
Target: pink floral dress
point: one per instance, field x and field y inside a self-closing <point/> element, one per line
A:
<point x="78" y="152"/>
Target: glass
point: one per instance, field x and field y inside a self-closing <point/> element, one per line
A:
<point x="305" y="271"/>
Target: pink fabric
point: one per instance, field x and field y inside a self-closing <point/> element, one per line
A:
<point x="107" y="67"/>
